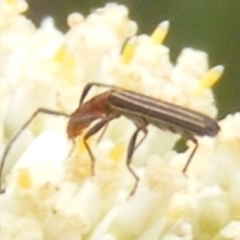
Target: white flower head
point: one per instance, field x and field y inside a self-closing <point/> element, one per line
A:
<point x="50" y="188"/>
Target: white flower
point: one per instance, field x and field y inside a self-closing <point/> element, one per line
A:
<point x="50" y="191"/>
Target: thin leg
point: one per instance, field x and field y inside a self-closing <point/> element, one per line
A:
<point x="145" y="131"/>
<point x="102" y="133"/>
<point x="131" y="148"/>
<point x="17" y="134"/>
<point x="191" y="155"/>
<point x="94" y="130"/>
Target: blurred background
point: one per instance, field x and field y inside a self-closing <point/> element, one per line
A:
<point x="211" y="26"/>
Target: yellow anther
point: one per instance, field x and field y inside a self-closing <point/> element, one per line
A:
<point x="63" y="57"/>
<point x="24" y="179"/>
<point x="160" y="32"/>
<point x="212" y="76"/>
<point x="116" y="153"/>
<point x="61" y="54"/>
<point x="129" y="50"/>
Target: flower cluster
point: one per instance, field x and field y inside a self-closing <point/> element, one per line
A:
<point x="50" y="191"/>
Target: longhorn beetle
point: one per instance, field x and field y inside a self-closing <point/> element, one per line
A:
<point x="140" y="109"/>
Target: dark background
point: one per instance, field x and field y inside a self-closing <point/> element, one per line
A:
<point x="212" y="26"/>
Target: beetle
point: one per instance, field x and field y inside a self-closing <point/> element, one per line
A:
<point x="142" y="110"/>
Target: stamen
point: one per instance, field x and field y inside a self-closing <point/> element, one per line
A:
<point x="212" y="76"/>
<point x="160" y="33"/>
<point x="129" y="50"/>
